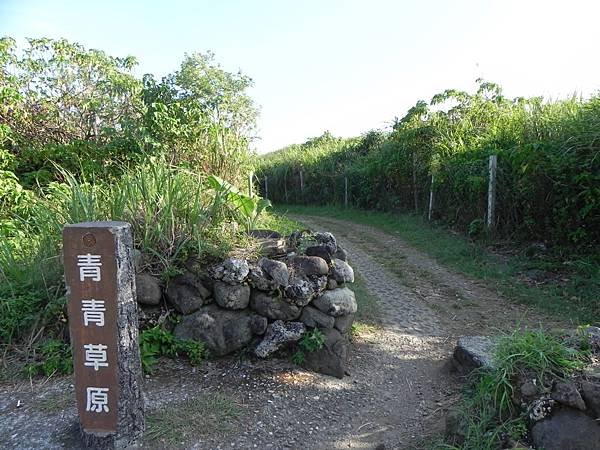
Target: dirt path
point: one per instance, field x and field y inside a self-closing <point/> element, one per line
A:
<point x="397" y="393"/>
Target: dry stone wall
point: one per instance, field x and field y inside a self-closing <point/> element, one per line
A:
<point x="266" y="304"/>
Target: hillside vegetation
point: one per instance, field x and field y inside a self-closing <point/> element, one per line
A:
<point x="548" y="166"/>
<point x="81" y="138"/>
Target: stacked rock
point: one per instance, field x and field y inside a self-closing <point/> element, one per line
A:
<point x="269" y="301"/>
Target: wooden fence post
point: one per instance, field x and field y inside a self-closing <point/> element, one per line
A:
<point x="285" y="192"/>
<point x="430" y="199"/>
<point x="492" y="191"/>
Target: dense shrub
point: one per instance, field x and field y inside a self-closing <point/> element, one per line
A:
<point x="548" y="165"/>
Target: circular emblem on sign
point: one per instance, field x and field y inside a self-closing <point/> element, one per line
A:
<point x="89" y="240"/>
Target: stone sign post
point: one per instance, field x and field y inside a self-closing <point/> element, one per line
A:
<point x="103" y="323"/>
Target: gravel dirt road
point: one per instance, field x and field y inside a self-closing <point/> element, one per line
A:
<point x="399" y="388"/>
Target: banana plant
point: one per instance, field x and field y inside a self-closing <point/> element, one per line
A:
<point x="246" y="208"/>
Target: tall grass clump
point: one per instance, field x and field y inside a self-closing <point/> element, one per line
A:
<point x="174" y="213"/>
<point x="488" y="414"/>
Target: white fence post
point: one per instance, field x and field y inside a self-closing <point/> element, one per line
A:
<point x="492" y="191"/>
<point x="266" y="187"/>
<point x="251" y="184"/>
<point x="430" y="199"/>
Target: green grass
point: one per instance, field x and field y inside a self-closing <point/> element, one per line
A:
<point x="487" y="411"/>
<point x="180" y="421"/>
<point x="571" y="291"/>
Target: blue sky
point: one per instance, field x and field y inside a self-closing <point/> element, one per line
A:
<point x="341" y="65"/>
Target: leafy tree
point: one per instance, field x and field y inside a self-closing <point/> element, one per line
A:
<point x="203" y="115"/>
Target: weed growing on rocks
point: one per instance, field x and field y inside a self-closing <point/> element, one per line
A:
<point x="488" y="415"/>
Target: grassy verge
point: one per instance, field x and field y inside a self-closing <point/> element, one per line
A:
<point x="488" y="416"/>
<point x="566" y="286"/>
<point x="179" y="421"/>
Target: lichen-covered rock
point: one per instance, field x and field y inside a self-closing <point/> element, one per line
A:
<point x="472" y="352"/>
<point x="222" y="331"/>
<point x="319" y="283"/>
<point x="326" y="239"/>
<point x="337" y="302"/>
<point x="540" y="408"/>
<point x="331" y="284"/>
<point x="258" y="279"/>
<point x="341" y="271"/>
<point x="591" y="395"/>
<point x="232" y="271"/>
<point x="278" y="334"/>
<point x="300" y="291"/>
<point x="148" y="289"/>
<point x="312" y="317"/>
<point x="344" y="323"/>
<point x="566" y="393"/>
<point x="308" y="265"/>
<point x="566" y="429"/>
<point x="274" y="308"/>
<point x="186" y="293"/>
<point x="332" y="358"/>
<point x="319" y="250"/>
<point x="232" y="296"/>
<point x="277" y="270"/>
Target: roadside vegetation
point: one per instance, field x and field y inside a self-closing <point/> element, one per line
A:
<point x="548" y="184"/>
<point x="487" y="417"/>
<point x="81" y="138"/>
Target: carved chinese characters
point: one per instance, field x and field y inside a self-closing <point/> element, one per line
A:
<point x="103" y="325"/>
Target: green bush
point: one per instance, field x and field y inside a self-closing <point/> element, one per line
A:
<point x="156" y="341"/>
<point x="311" y="342"/>
<point x="52" y="357"/>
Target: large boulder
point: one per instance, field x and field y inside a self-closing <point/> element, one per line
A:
<point x="308" y="265"/>
<point x="278" y="334"/>
<point x="232" y="296"/>
<point x="332" y="358"/>
<point x="344" y="323"/>
<point x="566" y="393"/>
<point x="341" y="271"/>
<point x="232" y="271"/>
<point x="274" y="308"/>
<point x="299" y="291"/>
<point x="277" y="270"/>
<point x="222" y="331"/>
<point x="566" y="429"/>
<point x="472" y="352"/>
<point x="258" y="279"/>
<point x="312" y="317"/>
<point x="341" y="254"/>
<point x="326" y="239"/>
<point x="148" y="289"/>
<point x="186" y="293"/>
<point x="319" y="250"/>
<point x="337" y="302"/>
<point x="590" y="392"/>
